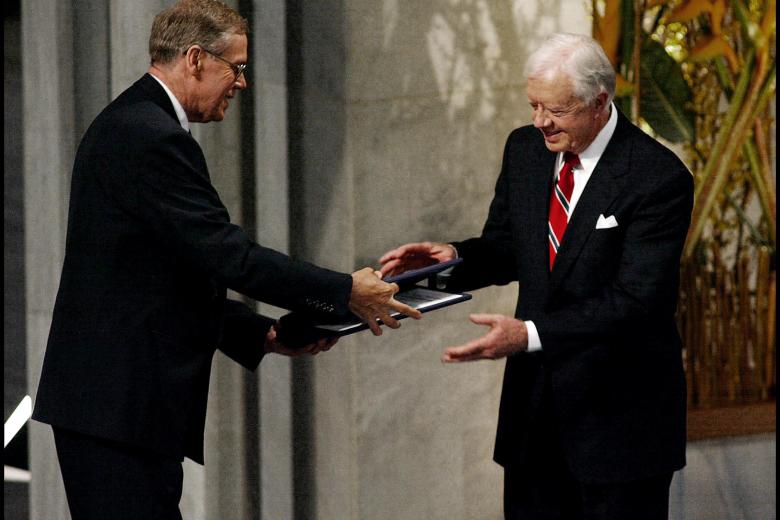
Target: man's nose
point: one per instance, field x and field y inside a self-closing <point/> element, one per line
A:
<point x="540" y="118"/>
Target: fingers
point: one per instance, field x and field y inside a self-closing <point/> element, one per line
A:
<point x="404" y="309"/>
<point x="484" y="319"/>
<point x="388" y="320"/>
<point x="389" y="267"/>
<point x="399" y="252"/>
<point x="312" y="349"/>
<point x="411" y="249"/>
<point x="369" y="318"/>
<point x="471" y="351"/>
<point x="506" y="336"/>
<point x="376" y="330"/>
<point x="480" y="348"/>
<point x="322" y="345"/>
<point x="372" y="300"/>
<point x="415" y="255"/>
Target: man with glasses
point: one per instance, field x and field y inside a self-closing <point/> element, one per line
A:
<point x="149" y="256"/>
<point x="238" y="68"/>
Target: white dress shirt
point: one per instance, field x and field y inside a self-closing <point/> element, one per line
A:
<point x="185" y="124"/>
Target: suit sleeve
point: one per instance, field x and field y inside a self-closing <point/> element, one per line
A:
<point x="169" y="189"/>
<point x="644" y="290"/>
<point x="490" y="258"/>
<point x="243" y="335"/>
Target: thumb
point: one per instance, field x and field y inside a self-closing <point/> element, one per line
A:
<point x="483" y="319"/>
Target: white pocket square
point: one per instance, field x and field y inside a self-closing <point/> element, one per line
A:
<point x="606" y="222"/>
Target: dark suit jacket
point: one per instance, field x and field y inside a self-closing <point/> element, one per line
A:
<point x="142" y="303"/>
<point x="605" y="314"/>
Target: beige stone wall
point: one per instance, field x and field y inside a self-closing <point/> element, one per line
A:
<point x="371" y="123"/>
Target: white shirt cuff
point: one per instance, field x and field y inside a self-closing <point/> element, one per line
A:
<point x="534" y="341"/>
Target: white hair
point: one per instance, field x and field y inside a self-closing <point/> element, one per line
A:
<point x="580" y="58"/>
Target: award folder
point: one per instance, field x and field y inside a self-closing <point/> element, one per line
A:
<point x="298" y="329"/>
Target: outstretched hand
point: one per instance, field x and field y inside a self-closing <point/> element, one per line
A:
<point x="415" y="256"/>
<point x="506" y="336"/>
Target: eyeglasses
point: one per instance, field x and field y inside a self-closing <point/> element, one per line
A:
<point x="557" y="113"/>
<point x="238" y="68"/>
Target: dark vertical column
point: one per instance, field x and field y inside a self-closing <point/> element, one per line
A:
<point x="321" y="231"/>
<point x="92" y="66"/>
<point x="15" y="453"/>
<point x="248" y="185"/>
<point x="304" y="490"/>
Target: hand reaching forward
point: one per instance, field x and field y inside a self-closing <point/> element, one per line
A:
<point x="415" y="256"/>
<point x="506" y="336"/>
<point x="272" y="344"/>
<point x="372" y="299"/>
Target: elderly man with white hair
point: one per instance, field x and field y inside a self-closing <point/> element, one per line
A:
<point x="589" y="216"/>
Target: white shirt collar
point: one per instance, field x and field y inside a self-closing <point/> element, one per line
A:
<point x="589" y="158"/>
<point x="185" y="124"/>
<point x="591" y="155"/>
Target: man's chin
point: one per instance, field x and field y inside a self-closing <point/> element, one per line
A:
<point x="555" y="147"/>
<point x="555" y="142"/>
<point x="219" y="116"/>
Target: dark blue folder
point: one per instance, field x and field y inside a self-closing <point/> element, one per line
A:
<point x="298" y="329"/>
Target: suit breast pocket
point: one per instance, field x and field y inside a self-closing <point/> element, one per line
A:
<point x="603" y="249"/>
<point x="606" y="236"/>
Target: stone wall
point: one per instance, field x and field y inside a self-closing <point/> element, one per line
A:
<point x="368" y="123"/>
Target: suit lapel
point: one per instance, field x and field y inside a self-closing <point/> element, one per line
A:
<point x="539" y="200"/>
<point x="603" y="187"/>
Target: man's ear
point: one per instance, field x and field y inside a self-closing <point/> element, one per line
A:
<point x="601" y="100"/>
<point x="192" y="59"/>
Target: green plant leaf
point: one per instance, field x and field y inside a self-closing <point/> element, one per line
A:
<point x="623" y="104"/>
<point x="664" y="95"/>
<point x="627" y="38"/>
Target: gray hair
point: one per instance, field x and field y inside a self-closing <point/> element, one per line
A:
<point x="203" y="22"/>
<point x="580" y="58"/>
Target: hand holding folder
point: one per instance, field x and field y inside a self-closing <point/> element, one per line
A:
<point x="299" y="329"/>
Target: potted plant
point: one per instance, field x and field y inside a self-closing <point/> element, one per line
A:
<point x="701" y="75"/>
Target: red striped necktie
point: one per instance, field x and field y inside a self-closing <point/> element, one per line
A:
<point x="560" y="199"/>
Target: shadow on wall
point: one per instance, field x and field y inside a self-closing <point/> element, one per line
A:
<point x="389" y="95"/>
<point x="316" y="73"/>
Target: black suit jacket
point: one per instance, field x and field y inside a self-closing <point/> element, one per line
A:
<point x="142" y="303"/>
<point x="611" y="353"/>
